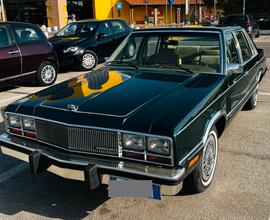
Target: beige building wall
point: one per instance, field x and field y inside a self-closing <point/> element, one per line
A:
<point x="57" y="13"/>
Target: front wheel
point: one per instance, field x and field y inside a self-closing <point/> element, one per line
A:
<point x="202" y="175"/>
<point x="89" y="60"/>
<point x="46" y="74"/>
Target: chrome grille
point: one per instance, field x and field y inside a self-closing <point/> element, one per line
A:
<point x="87" y="140"/>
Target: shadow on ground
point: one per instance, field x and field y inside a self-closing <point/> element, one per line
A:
<point x="49" y="195"/>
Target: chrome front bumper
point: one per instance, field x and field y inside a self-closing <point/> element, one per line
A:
<point x="89" y="168"/>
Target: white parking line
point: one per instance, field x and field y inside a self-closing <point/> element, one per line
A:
<point x="13" y="172"/>
<point x="11" y="98"/>
<point x="264" y="93"/>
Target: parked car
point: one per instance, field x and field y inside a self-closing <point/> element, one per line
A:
<point x="155" y="112"/>
<point x="86" y="43"/>
<point x="246" y="21"/>
<point x="26" y="55"/>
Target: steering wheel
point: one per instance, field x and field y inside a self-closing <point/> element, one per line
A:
<point x="198" y="62"/>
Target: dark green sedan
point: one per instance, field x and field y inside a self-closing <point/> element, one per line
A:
<point x="153" y="114"/>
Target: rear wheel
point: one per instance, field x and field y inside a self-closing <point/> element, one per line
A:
<point x="252" y="102"/>
<point x="202" y="176"/>
<point x="46" y="74"/>
<point x="89" y="60"/>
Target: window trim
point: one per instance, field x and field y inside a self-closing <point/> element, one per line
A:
<point x="251" y="49"/>
<point x="236" y="46"/>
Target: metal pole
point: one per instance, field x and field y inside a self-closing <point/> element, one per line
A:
<point x="171" y="14"/>
<point x="166" y="11"/>
<point x="244" y="7"/>
<point x="2" y="10"/>
<point x="215" y="10"/>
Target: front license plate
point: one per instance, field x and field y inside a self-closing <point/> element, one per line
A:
<point x="133" y="188"/>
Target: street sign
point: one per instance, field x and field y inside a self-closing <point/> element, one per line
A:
<point x="170" y="2"/>
<point x="119" y="5"/>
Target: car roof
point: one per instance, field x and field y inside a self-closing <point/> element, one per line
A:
<point x="16" y="22"/>
<point x="193" y="29"/>
<point x="98" y="21"/>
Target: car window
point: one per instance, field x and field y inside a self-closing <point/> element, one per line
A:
<point x="26" y="35"/>
<point x="245" y="48"/>
<point x="104" y="29"/>
<point x="88" y="28"/>
<point x="232" y="53"/>
<point x="198" y="52"/>
<point x="118" y="27"/>
<point x="4" y="38"/>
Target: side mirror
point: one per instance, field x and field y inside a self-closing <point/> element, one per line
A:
<point x="234" y="68"/>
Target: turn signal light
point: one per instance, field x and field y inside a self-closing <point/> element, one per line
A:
<point x="30" y="135"/>
<point x="193" y="161"/>
<point x="15" y="131"/>
<point x="157" y="159"/>
<point x="133" y="155"/>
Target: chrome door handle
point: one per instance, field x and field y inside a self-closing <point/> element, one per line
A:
<point x="13" y="52"/>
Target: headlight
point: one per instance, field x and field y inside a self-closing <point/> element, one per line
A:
<point x="14" y="121"/>
<point x="29" y="124"/>
<point x="70" y="50"/>
<point x="134" y="142"/>
<point x="159" y="145"/>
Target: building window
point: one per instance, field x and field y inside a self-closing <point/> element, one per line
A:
<point x="83" y="9"/>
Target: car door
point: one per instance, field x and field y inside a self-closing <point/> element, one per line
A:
<point x="237" y="82"/>
<point x="105" y="40"/>
<point x="32" y="44"/>
<point x="10" y="59"/>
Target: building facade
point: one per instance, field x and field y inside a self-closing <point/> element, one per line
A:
<point x="56" y="12"/>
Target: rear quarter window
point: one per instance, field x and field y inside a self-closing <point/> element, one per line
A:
<point x="25" y="35"/>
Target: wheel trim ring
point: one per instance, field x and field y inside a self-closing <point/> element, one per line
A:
<point x="88" y="61"/>
<point x="215" y="139"/>
<point x="48" y="74"/>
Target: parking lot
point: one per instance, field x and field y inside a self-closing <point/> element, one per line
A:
<point x="241" y="188"/>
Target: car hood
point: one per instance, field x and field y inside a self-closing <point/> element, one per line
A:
<point x="128" y="100"/>
<point x="63" y="42"/>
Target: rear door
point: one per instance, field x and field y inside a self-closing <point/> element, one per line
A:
<point x="33" y="46"/>
<point x="237" y="82"/>
<point x="10" y="59"/>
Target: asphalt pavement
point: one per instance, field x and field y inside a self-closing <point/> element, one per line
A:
<point x="241" y="187"/>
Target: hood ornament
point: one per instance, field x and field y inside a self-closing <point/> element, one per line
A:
<point x="73" y="108"/>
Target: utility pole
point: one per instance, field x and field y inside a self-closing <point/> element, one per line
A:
<point x="244" y="7"/>
<point x="166" y="11"/>
<point x="215" y="10"/>
<point x="2" y="10"/>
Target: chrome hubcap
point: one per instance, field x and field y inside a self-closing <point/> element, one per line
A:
<point x="48" y="74"/>
<point x="209" y="159"/>
<point x="88" y="61"/>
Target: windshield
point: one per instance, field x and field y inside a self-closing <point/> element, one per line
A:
<point x="192" y="52"/>
<point x="78" y="29"/>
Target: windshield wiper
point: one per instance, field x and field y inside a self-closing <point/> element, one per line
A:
<point x="119" y="63"/>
